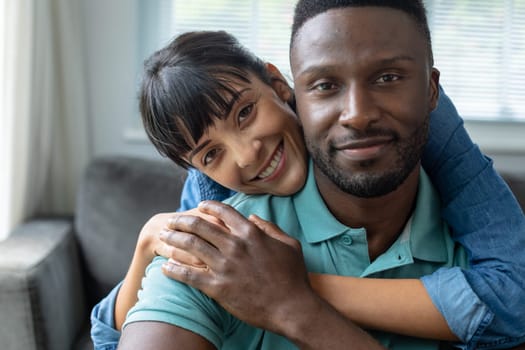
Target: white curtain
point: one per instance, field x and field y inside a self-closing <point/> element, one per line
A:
<point x="44" y="140"/>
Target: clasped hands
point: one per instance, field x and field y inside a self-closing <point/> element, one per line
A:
<point x="249" y="266"/>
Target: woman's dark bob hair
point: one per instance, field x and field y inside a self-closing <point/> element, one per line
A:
<point x="188" y="83"/>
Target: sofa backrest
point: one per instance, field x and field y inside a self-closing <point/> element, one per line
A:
<point x="117" y="196"/>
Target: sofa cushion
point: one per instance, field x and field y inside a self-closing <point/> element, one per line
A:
<point x="117" y="197"/>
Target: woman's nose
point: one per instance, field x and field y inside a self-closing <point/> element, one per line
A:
<point x="247" y="153"/>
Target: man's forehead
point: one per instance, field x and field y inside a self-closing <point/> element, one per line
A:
<point x="356" y="30"/>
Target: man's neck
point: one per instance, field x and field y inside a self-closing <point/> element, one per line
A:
<point x="383" y="217"/>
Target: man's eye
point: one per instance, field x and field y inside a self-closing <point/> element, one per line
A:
<point x="387" y="78"/>
<point x="245" y="112"/>
<point x="210" y="156"/>
<point x="326" y="86"/>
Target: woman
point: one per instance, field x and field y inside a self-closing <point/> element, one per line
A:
<point x="209" y="104"/>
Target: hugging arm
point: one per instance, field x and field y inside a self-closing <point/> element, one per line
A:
<point x="482" y="306"/>
<point x="108" y="315"/>
<point x="486" y="219"/>
<point x="197" y="187"/>
<point x="469" y="305"/>
<point x="260" y="279"/>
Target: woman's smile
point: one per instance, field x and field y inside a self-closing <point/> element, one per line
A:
<point x="273" y="167"/>
<point x="259" y="149"/>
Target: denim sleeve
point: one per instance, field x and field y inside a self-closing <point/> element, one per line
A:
<point x="483" y="305"/>
<point x="103" y="332"/>
<point x="197" y="187"/>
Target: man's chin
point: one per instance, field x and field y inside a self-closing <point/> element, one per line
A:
<point x="368" y="184"/>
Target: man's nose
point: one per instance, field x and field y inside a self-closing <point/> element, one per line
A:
<point x="247" y="152"/>
<point x="359" y="109"/>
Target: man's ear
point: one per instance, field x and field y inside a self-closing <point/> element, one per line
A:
<point x="434" y="88"/>
<point x="279" y="83"/>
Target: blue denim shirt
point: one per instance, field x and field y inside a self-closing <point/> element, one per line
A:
<point x="484" y="305"/>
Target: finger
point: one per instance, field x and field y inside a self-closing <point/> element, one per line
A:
<point x="164" y="249"/>
<point x="191" y="244"/>
<point x="203" y="228"/>
<point x="193" y="276"/>
<point x="232" y="219"/>
<point x="171" y="252"/>
<point x="273" y="230"/>
<point x="195" y="212"/>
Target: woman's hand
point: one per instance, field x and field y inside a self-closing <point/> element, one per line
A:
<point x="166" y="248"/>
<point x="149" y="245"/>
<point x="152" y="239"/>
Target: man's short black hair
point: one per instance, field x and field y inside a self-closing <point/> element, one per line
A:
<point x="307" y="9"/>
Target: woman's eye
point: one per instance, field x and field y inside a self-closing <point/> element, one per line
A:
<point x="245" y="112"/>
<point x="210" y="156"/>
<point x="387" y="78"/>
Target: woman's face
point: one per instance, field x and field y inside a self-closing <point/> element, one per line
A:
<point x="259" y="147"/>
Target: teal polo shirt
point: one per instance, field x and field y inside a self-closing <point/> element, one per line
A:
<point x="328" y="247"/>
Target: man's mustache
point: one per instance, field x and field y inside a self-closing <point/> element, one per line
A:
<point x="354" y="135"/>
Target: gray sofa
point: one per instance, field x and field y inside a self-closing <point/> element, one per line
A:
<point x="53" y="270"/>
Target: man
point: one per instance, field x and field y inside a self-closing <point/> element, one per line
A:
<point x="364" y="106"/>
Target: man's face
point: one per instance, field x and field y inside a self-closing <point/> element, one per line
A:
<point x="364" y="87"/>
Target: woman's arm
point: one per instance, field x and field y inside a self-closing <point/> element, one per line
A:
<point x="372" y="300"/>
<point x="108" y="315"/>
<point x="148" y="246"/>
<point x="427" y="308"/>
<point x="399" y="306"/>
<point x="487" y="221"/>
<point x="197" y="187"/>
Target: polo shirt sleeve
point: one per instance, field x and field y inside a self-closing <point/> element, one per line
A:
<point x="165" y="300"/>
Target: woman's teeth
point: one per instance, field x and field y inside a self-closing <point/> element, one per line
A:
<point x="273" y="164"/>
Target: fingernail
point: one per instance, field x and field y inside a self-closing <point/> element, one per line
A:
<point x="174" y="262"/>
<point x="170" y="265"/>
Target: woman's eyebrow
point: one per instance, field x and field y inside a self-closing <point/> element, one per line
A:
<point x="197" y="150"/>
<point x="231" y="104"/>
<point x="236" y="98"/>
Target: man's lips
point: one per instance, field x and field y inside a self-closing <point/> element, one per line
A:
<point x="366" y="148"/>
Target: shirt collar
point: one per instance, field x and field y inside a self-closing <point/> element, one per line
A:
<point x="425" y="229"/>
<point x="317" y="222"/>
<point x="428" y="232"/>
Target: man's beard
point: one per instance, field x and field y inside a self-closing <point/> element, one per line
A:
<point x="373" y="184"/>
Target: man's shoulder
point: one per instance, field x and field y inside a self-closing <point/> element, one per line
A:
<point x="258" y="203"/>
<point x="280" y="210"/>
<point x="166" y="300"/>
